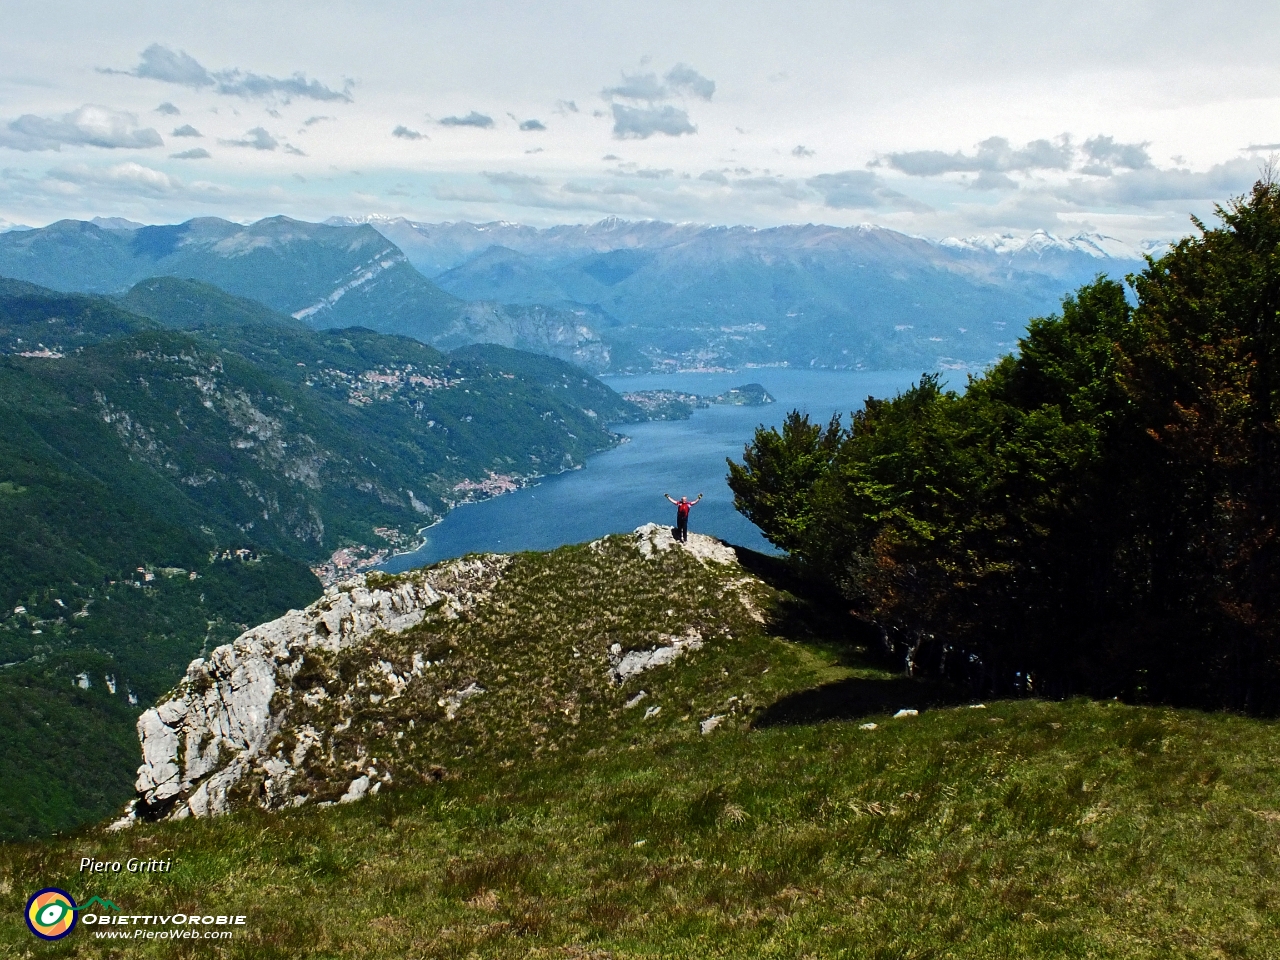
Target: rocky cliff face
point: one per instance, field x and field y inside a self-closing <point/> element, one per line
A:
<point x="202" y="742"/>
<point x="389" y="678"/>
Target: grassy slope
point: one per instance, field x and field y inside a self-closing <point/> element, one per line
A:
<point x="569" y="826"/>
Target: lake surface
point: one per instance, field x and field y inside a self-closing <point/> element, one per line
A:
<point x="620" y="489"/>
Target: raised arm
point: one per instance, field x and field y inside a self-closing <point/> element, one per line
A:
<point x="668" y="496"/>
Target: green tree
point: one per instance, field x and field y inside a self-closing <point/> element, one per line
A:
<point x="1095" y="513"/>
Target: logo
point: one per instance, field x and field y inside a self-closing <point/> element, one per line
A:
<point x="51" y="913"/>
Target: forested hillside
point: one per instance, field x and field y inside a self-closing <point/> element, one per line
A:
<point x="1093" y="515"/>
<point x="161" y="489"/>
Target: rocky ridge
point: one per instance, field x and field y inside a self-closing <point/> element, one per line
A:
<point x="380" y="679"/>
<point x="199" y="744"/>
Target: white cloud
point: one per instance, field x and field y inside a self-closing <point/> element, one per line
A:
<point x="994" y="154"/>
<point x="257" y="138"/>
<point x="860" y="190"/>
<point x="686" y="79"/>
<point x="1106" y="154"/>
<point x="472" y="119"/>
<point x="642" y="122"/>
<point x="129" y="177"/>
<point x="639" y="86"/>
<point x="90" y="126"/>
<point x="158" y="62"/>
<point x="1151" y="186"/>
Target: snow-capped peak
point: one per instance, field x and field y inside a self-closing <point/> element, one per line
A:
<point x="1039" y="242"/>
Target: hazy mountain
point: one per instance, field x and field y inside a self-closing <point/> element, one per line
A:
<point x="322" y="274"/>
<point x="614" y="295"/>
<point x="687" y="294"/>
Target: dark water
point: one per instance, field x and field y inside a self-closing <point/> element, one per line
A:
<point x="620" y="489"/>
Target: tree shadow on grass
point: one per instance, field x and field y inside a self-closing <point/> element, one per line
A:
<point x="856" y="697"/>
<point x="813" y="612"/>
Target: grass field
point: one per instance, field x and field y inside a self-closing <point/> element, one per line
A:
<point x="1018" y="829"/>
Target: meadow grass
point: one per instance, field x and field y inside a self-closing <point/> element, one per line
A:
<point x="1021" y="829"/>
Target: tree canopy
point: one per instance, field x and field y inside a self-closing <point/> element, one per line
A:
<point x="1096" y="513"/>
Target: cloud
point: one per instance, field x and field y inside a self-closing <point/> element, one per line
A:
<point x="312" y="121"/>
<point x="859" y="189"/>
<point x="291" y="149"/>
<point x="90" y="126"/>
<point x="1262" y="146"/>
<point x="168" y="108"/>
<point x="510" y="179"/>
<point x="250" y="85"/>
<point x="257" y="138"/>
<point x="186" y="130"/>
<point x="684" y="77"/>
<point x="639" y="86"/>
<point x="990" y="180"/>
<point x="534" y="150"/>
<point x="802" y="151"/>
<point x="647" y="173"/>
<point x="531" y="191"/>
<point x="158" y="62"/>
<point x="640" y="123"/>
<point x="168" y="66"/>
<point x="199" y="153"/>
<point x="564" y="107"/>
<point x="680" y="79"/>
<point x="1150" y="186"/>
<point x="404" y="133"/>
<point x="714" y="176"/>
<point x="472" y="119"/>
<point x="129" y="177"/>
<point x="533" y="125"/>
<point x="1106" y="154"/>
<point x="994" y="154"/>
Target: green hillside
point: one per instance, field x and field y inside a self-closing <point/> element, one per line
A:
<point x="547" y="818"/>
<point x="163" y="489"/>
<point x="195" y="305"/>
<point x="328" y="276"/>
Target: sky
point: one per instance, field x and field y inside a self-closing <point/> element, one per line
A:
<point x="937" y="119"/>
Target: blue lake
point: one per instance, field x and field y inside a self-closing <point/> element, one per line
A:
<point x="620" y="489"/>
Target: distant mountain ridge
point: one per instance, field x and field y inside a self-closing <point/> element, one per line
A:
<point x="325" y="275"/>
<point x="455" y="242"/>
<point x="687" y="295"/>
<point x="612" y="296"/>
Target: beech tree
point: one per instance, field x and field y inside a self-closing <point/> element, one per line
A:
<point x="1094" y="514"/>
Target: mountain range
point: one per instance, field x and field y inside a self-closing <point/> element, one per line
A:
<point x="803" y="295"/>
<point x="616" y="296"/>
<point x="326" y="276"/>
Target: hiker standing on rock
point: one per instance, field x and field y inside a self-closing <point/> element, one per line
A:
<point x="682" y="516"/>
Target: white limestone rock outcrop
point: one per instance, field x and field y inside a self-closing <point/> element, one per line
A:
<point x="214" y="729"/>
<point x="624" y="666"/>
<point x="653" y="539"/>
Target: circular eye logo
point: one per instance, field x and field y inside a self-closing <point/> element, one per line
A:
<point x="51" y="913"/>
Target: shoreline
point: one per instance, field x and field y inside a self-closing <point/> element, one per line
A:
<point x="374" y="562"/>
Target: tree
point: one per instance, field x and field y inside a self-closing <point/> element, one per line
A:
<point x="1097" y="512"/>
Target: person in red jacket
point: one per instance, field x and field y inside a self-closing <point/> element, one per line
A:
<point x="682" y="516"/>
